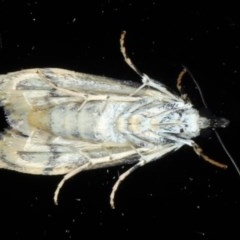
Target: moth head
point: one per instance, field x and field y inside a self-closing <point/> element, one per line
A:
<point x="219" y="122"/>
<point x="213" y="122"/>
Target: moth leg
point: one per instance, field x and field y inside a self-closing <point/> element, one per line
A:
<point x="83" y="103"/>
<point x="120" y="180"/>
<point x="149" y="156"/>
<point x="106" y="99"/>
<point x="105" y="104"/>
<point x="198" y="150"/>
<point x="146" y="80"/>
<point x="68" y="176"/>
<point x="125" y="55"/>
<point x="137" y="150"/>
<point x="129" y="62"/>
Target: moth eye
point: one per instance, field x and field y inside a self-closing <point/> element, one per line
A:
<point x="181" y="130"/>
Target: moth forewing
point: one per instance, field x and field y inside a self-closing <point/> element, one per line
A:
<point x="65" y="122"/>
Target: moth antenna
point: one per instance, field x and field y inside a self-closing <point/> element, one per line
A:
<point x="214" y="129"/>
<point x="227" y="152"/>
<point x="197" y="86"/>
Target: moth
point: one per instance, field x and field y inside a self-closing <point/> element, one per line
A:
<point x="64" y="122"/>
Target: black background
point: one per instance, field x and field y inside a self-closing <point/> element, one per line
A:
<point x="179" y="196"/>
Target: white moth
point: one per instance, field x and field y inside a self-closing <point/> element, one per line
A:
<point x="65" y="122"/>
